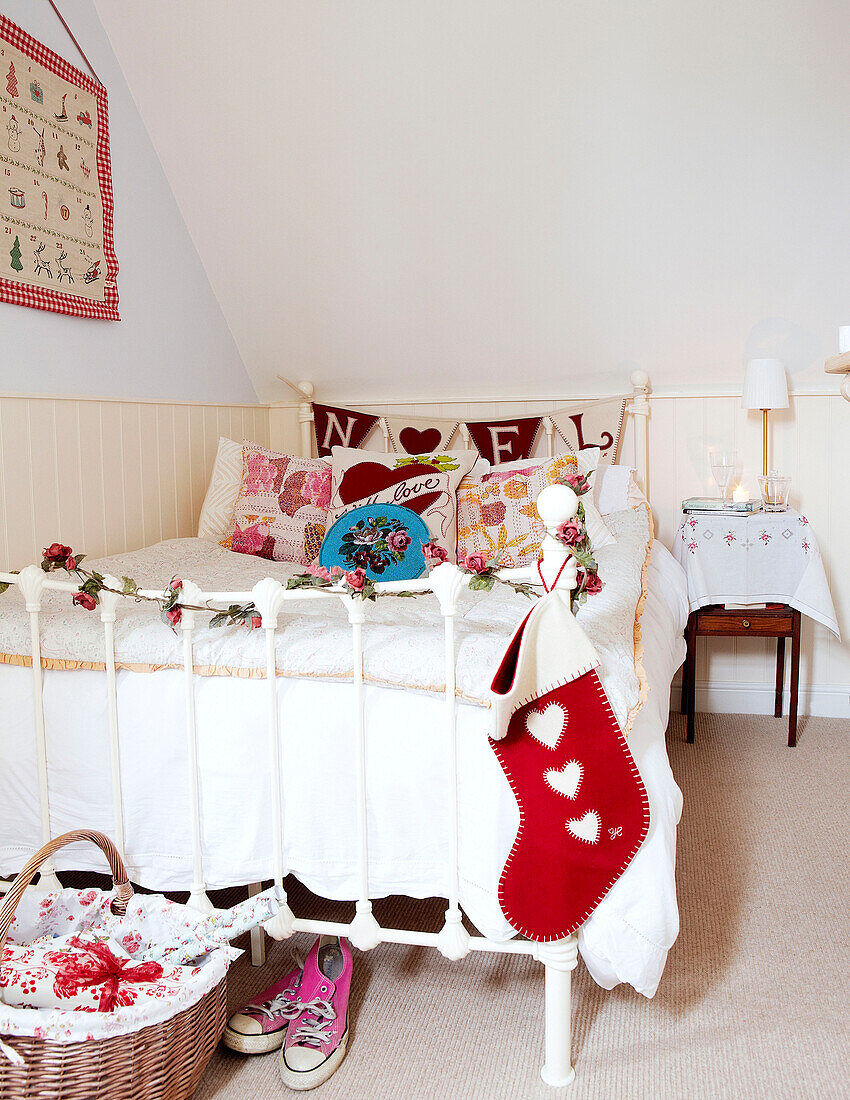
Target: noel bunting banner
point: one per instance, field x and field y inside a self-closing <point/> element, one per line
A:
<point x="579" y="425"/>
<point x="56" y="196"/>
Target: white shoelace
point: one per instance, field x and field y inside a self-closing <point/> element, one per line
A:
<point x="314" y="1034"/>
<point x="285" y="1004"/>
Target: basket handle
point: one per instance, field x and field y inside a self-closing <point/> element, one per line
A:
<point x="123" y="889"/>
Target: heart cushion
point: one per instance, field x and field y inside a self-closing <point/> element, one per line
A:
<point x="426" y="484"/>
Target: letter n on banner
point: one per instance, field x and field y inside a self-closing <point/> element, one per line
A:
<point x="340" y="427"/>
<point x="505" y="440"/>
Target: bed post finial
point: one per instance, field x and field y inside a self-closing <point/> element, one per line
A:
<point x="555" y="505"/>
<point x="304" y="392"/>
<point x="305" y="418"/>
<point x="640" y="423"/>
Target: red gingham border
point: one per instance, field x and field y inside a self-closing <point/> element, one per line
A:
<point x="38" y="297"/>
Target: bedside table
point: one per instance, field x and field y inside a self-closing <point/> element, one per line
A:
<point x="767" y="558"/>
<point x="779" y="621"/>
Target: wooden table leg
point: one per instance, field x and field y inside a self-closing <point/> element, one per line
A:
<point x="795" y="680"/>
<point x="683" y="705"/>
<point x="692" y="675"/>
<point x="780" y="677"/>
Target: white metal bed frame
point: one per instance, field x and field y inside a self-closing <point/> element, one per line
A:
<point x="555" y="505"/>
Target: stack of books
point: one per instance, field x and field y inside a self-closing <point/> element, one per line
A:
<point x="714" y="506"/>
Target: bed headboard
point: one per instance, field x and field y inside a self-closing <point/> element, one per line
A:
<point x="637" y="410"/>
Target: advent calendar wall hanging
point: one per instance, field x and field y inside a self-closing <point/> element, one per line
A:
<point x="55" y="183"/>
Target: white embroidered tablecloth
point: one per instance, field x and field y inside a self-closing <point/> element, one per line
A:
<point x="769" y="557"/>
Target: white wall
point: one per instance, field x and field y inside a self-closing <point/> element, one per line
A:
<point x="172" y="341"/>
<point x="455" y="199"/>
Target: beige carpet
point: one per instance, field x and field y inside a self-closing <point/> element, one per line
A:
<point x="753" y="1003"/>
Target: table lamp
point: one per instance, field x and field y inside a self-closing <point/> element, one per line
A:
<point x="765" y="387"/>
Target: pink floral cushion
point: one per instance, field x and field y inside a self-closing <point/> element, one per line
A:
<point x="282" y="506"/>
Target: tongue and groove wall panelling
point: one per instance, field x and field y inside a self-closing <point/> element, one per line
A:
<point x="105" y="476"/>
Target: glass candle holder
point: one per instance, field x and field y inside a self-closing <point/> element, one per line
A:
<point x="775" y="490"/>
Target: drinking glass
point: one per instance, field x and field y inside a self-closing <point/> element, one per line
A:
<point x="723" y="465"/>
<point x="774" y="491"/>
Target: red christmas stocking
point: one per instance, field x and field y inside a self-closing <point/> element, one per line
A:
<point x="583" y="806"/>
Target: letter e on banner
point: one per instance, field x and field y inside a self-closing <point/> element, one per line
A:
<point x="505" y="440"/>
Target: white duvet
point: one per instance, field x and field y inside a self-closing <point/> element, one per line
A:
<point x="627" y="937"/>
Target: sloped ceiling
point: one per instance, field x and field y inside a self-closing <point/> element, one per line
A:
<point x="457" y="198"/>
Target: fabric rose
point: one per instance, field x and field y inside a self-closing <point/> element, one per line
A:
<point x="256" y="622"/>
<point x="83" y="599"/>
<point x="316" y="570"/>
<point x="59" y="556"/>
<point x="398" y="541"/>
<point x="577" y="482"/>
<point x="317" y="489"/>
<point x="57" y="552"/>
<point x="570" y="532"/>
<point x="174" y="615"/>
<point x="356" y="579"/>
<point x="434" y="554"/>
<point x="475" y="562"/>
<point x="593" y="583"/>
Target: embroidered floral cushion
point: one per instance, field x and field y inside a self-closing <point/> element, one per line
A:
<point x="281" y="510"/>
<point x="497" y="514"/>
<point x="427" y="484"/>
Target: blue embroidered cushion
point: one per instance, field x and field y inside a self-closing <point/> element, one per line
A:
<point x="384" y="539"/>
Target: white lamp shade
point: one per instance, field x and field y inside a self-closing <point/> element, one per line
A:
<point x="765" y="386"/>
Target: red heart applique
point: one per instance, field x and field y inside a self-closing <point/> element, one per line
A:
<point x="419" y="443"/>
<point x="367" y="478"/>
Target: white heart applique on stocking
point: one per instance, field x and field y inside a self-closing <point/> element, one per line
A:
<point x="567" y="780"/>
<point x="586" y="827"/>
<point x="547" y="726"/>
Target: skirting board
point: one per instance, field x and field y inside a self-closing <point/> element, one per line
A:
<point x="735" y="697"/>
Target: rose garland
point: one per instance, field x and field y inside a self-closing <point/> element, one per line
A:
<point x="573" y="534"/>
<point x="356" y="582"/>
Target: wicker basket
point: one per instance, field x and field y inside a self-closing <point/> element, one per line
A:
<point x="161" y="1062"/>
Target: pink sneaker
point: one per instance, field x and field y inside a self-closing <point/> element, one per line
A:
<point x="261" y="1025"/>
<point x="316" y="1038"/>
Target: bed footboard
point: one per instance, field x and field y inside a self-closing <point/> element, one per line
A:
<point x="556" y="504"/>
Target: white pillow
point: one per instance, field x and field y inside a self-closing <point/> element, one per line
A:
<point x="616" y="489"/>
<point x="226" y="477"/>
<point x="597" y="529"/>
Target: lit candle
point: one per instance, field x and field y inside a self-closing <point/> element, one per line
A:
<point x="740" y="495"/>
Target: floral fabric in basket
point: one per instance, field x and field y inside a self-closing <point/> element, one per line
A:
<point x="154" y="933"/>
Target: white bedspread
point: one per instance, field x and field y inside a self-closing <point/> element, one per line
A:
<point x="403" y="641"/>
<point x="626" y="939"/>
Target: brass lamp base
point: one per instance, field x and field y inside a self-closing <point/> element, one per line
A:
<point x="764" y="442"/>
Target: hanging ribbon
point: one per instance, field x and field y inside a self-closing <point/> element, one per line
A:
<point x="76" y="43"/>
